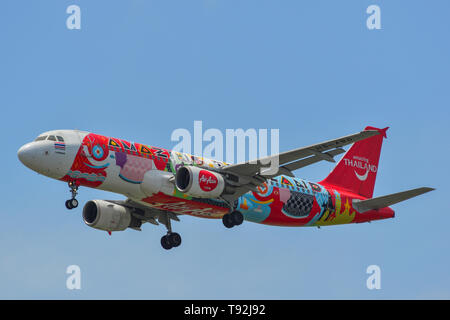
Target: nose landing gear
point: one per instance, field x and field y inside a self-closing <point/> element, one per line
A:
<point x="72" y="203"/>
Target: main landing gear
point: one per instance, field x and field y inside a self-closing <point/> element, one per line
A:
<point x="72" y="203"/>
<point x="171" y="239"/>
<point x="235" y="218"/>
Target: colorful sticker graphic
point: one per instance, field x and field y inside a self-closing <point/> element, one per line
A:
<point x="298" y="205"/>
<point x="132" y="168"/>
<point x="89" y="166"/>
<point x="286" y="181"/>
<point x="337" y="214"/>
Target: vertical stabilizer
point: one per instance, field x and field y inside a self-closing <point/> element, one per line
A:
<point x="357" y="170"/>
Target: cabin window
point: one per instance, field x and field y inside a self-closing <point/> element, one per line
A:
<point x="41" y="138"/>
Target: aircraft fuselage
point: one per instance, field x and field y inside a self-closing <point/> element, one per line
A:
<point x="142" y="173"/>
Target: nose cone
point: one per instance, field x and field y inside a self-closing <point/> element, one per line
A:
<point x="35" y="155"/>
<point x="47" y="159"/>
<point x="27" y="155"/>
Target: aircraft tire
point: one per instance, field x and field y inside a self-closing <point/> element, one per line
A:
<point x="237" y="217"/>
<point x="228" y="221"/>
<point x="174" y="239"/>
<point x="68" y="205"/>
<point x="73" y="203"/>
<point x="165" y="243"/>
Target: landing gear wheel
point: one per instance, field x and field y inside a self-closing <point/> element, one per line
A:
<point x="227" y="220"/>
<point x="237" y="217"/>
<point x="171" y="239"/>
<point x="68" y="204"/>
<point x="175" y="239"/>
<point x="73" y="203"/>
<point x="166" y="243"/>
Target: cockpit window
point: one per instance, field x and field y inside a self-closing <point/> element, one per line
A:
<point x="61" y="139"/>
<point x="51" y="138"/>
<point x="41" y="138"/>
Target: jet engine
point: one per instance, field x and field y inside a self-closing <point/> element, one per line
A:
<point x="108" y="216"/>
<point x="200" y="183"/>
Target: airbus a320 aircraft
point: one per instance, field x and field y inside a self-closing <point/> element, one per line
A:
<point x="161" y="185"/>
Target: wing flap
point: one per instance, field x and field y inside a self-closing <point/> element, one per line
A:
<point x="308" y="161"/>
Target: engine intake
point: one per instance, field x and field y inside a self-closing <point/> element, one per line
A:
<point x="108" y="216"/>
<point x="198" y="182"/>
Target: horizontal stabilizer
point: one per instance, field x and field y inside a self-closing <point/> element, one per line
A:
<point x="390" y="199"/>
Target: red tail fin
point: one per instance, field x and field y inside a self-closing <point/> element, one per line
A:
<point x="357" y="170"/>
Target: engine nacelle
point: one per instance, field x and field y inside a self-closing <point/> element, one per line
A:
<point x="104" y="215"/>
<point x="200" y="183"/>
<point x="157" y="181"/>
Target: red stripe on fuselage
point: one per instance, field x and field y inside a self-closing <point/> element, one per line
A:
<point x="185" y="206"/>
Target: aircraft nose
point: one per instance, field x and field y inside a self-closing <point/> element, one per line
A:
<point x="26" y="154"/>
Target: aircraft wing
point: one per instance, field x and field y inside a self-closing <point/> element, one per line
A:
<point x="146" y="213"/>
<point x="248" y="175"/>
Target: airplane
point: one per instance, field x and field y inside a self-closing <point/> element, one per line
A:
<point x="161" y="185"/>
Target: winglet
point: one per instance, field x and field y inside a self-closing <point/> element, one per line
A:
<point x="382" y="131"/>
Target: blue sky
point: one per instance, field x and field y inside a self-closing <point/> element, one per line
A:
<point x="141" y="69"/>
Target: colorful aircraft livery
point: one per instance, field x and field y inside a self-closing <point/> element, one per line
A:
<point x="161" y="185"/>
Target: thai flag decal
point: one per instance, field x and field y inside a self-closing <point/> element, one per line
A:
<point x="60" y="147"/>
